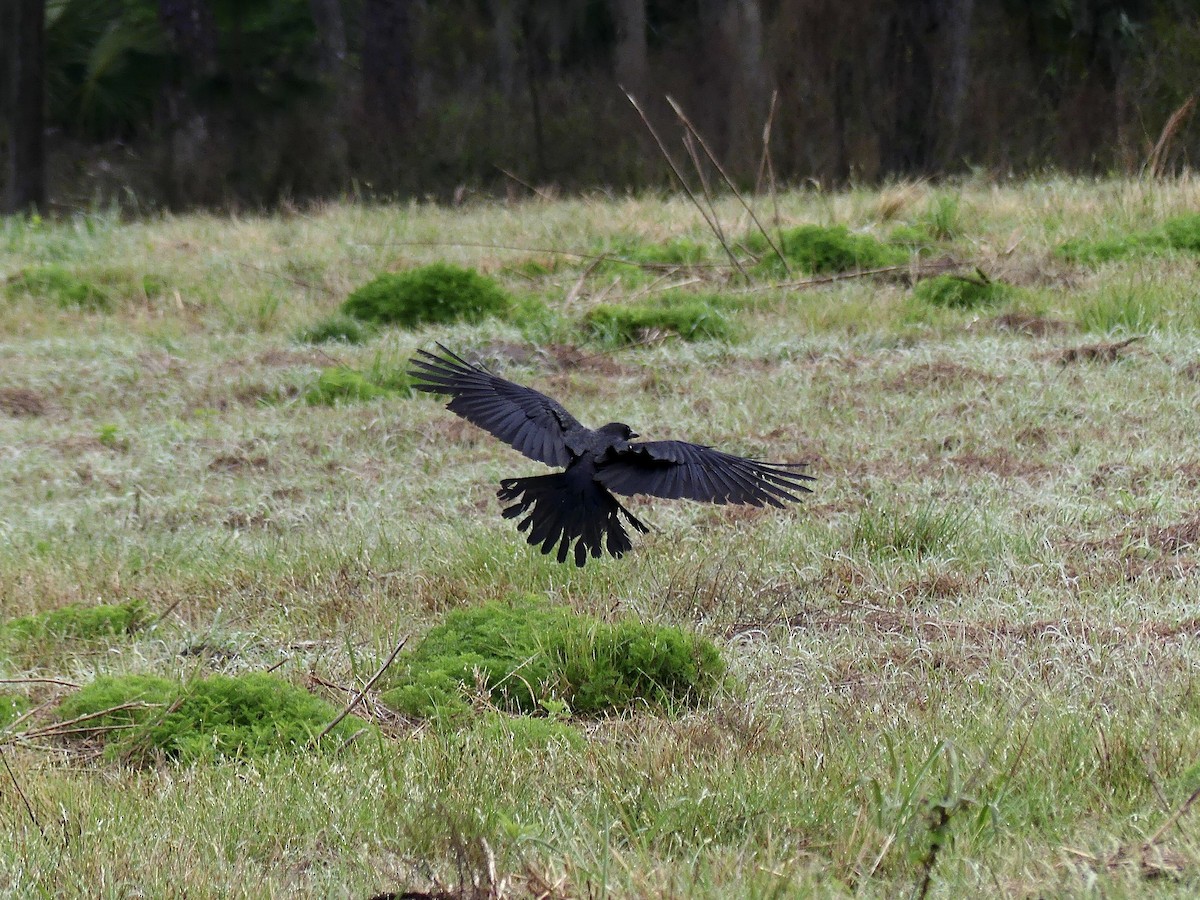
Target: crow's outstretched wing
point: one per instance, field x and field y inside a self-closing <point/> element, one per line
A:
<point x="679" y="470"/>
<point x="528" y="420"/>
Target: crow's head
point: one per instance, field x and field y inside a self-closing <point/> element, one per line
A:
<point x="619" y="430"/>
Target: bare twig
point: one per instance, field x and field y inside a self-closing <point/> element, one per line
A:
<point x="713" y="226"/>
<point x="728" y="181"/>
<point x="920" y="269"/>
<point x="68" y="726"/>
<point x="525" y="184"/>
<point x="1172" y="819"/>
<point x="57" y="681"/>
<point x="370" y="684"/>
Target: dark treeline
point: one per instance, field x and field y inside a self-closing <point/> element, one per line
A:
<point x="227" y="102"/>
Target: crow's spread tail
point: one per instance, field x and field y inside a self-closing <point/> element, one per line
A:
<point x="568" y="507"/>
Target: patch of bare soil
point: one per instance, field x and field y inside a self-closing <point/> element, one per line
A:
<point x="21" y="402"/>
<point x="1191" y="371"/>
<point x="237" y="462"/>
<point x="1178" y="538"/>
<point x="1102" y="352"/>
<point x="937" y="374"/>
<point x="1029" y="324"/>
<point x="278" y="358"/>
<point x="1001" y="463"/>
<point x="566" y="357"/>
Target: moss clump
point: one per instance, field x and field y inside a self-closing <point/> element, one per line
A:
<point x="692" y="318"/>
<point x="527" y="734"/>
<point x="244" y="717"/>
<point x="961" y="293"/>
<point x="818" y="250"/>
<point x="436" y="293"/>
<point x="338" y="327"/>
<point x="344" y="385"/>
<point x="61" y="286"/>
<point x="82" y="622"/>
<point x="531" y="657"/>
<point x="1179" y="233"/>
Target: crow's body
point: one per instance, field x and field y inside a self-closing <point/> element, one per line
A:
<point x="577" y="505"/>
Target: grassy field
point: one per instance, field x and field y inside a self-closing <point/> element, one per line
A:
<point x="968" y="664"/>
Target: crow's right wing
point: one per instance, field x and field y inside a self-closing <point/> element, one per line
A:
<point x="522" y="417"/>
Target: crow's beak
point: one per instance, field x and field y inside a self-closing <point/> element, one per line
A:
<point x="634" y="434"/>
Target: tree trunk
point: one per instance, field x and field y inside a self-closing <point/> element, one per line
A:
<point x="24" y="25"/>
<point x="331" y="69"/>
<point x="190" y="171"/>
<point x="630" y="56"/>
<point x="387" y="63"/>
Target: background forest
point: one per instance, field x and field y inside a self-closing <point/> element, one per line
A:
<point x="186" y="103"/>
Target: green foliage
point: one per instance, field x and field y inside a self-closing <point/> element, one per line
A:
<point x="961" y="293"/>
<point x="528" y="657"/>
<point x="244" y="717"/>
<point x="919" y="533"/>
<point x="692" y="317"/>
<point x="429" y="294"/>
<point x="338" y="327"/>
<point x="82" y="622"/>
<point x="12" y="707"/>
<point x="1179" y="233"/>
<point x="817" y="250"/>
<point x="344" y="385"/>
<point x="59" y="285"/>
<point x="529" y="734"/>
<point x="675" y="252"/>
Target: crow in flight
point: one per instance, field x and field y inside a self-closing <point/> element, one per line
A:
<point x="577" y="505"/>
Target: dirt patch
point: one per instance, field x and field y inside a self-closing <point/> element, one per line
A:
<point x="1178" y="538"/>
<point x="236" y="462"/>
<point x="1001" y="463"/>
<point x="1191" y="371"/>
<point x="939" y="374"/>
<point x="1029" y="324"/>
<point x="566" y="357"/>
<point x="277" y="358"/>
<point x="1102" y="352"/>
<point x="22" y="402"/>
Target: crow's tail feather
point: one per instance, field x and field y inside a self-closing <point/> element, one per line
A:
<point x="568" y="507"/>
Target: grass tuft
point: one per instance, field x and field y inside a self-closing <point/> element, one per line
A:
<point x="81" y="622"/>
<point x="341" y="384"/>
<point x="338" y="327"/>
<point x="430" y="294"/>
<point x="243" y="717"/>
<point x="531" y="658"/>
<point x="820" y="250"/>
<point x="61" y="286"/>
<point x="961" y="293"/>
<point x="690" y="317"/>
<point x="918" y="533"/>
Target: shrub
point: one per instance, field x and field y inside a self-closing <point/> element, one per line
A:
<point x="692" y="318"/>
<point x="244" y="716"/>
<point x="531" y="657"/>
<point x="818" y="250"/>
<point x="1183" y="232"/>
<point x="435" y="293"/>
<point x="84" y="622"/>
<point x="339" y="327"/>
<point x="961" y="293"/>
<point x="60" y="285"/>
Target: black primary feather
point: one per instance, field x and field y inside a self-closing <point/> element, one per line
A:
<point x="577" y="506"/>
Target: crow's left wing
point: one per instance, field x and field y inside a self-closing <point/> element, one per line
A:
<point x="679" y="470"/>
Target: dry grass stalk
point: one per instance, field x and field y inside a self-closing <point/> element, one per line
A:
<point x="1156" y="162"/>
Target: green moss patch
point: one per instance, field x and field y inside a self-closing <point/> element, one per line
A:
<point x="59" y="285"/>
<point x="429" y="294"/>
<point x="141" y="717"/>
<point x="81" y="622"/>
<point x="961" y="293"/>
<point x="818" y="250"/>
<point x="344" y="385"/>
<point x="338" y="327"/>
<point x="691" y="317"/>
<point x="1179" y="233"/>
<point x="532" y="658"/>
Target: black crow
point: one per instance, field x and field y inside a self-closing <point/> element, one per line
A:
<point x="577" y="505"/>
